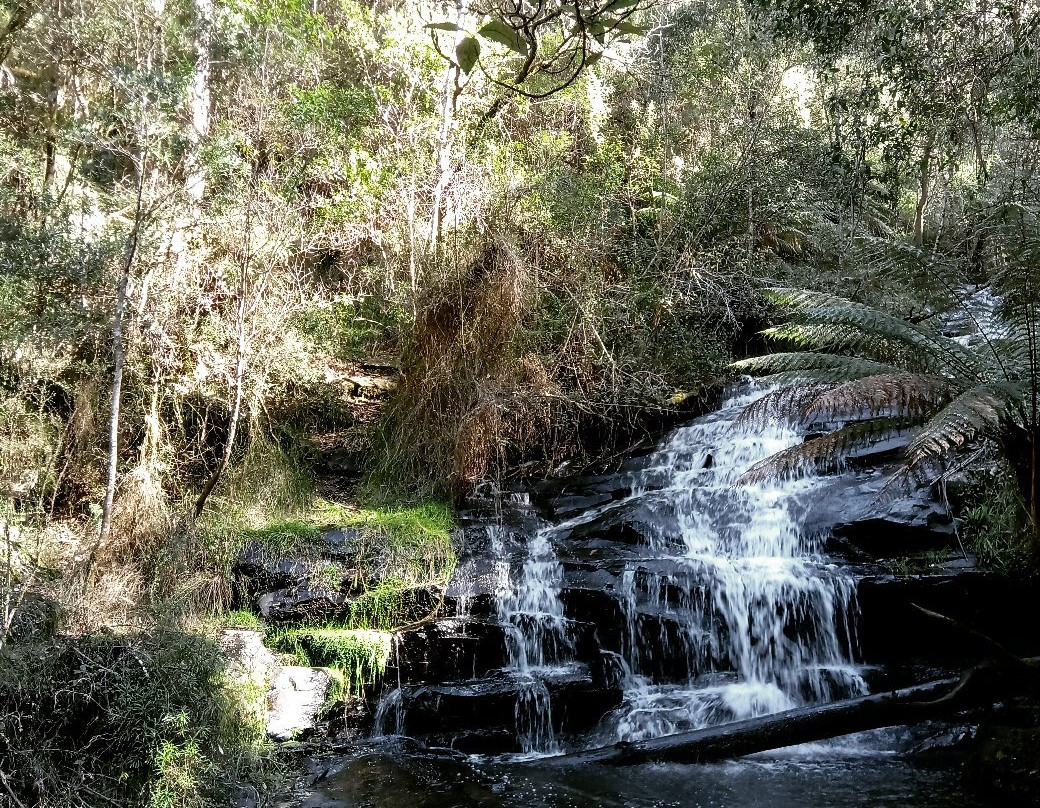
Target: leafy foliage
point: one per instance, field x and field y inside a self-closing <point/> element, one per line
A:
<point x="140" y="720"/>
<point x="549" y="44"/>
<point x="950" y="395"/>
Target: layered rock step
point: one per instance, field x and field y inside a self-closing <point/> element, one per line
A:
<point x="497" y="713"/>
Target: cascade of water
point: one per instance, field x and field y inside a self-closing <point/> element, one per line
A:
<point x="729" y="609"/>
<point x="389" y="717"/>
<point x="750" y="585"/>
<point x="534" y="722"/>
<point x="532" y="611"/>
<point x="537" y="638"/>
<point x="735" y="588"/>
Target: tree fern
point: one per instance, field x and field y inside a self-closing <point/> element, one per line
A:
<point x="973" y="414"/>
<point x="827" y="452"/>
<point x="870" y="374"/>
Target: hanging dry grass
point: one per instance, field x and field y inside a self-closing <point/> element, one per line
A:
<point x="467" y="396"/>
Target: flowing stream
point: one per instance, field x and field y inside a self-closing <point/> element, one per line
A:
<point x="761" y="620"/>
<point x="663" y="598"/>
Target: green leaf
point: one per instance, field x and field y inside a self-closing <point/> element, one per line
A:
<point x="443" y="26"/>
<point x="592" y="58"/>
<point x="504" y="34"/>
<point x="626" y="27"/>
<point x="619" y="5"/>
<point x="467" y="52"/>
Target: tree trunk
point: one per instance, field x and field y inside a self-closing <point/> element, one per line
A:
<point x="119" y="359"/>
<point x="18" y="19"/>
<point x="925" y="186"/>
<point x="449" y="103"/>
<point x="236" y="407"/>
<point x="196" y="132"/>
<point x="981" y="685"/>
<point x="195" y="181"/>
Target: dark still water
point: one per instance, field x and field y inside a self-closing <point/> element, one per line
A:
<point x="392" y="774"/>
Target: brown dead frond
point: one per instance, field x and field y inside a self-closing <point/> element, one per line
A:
<point x="908" y="394"/>
<point x="783" y="404"/>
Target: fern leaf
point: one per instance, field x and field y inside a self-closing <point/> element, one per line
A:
<point x="813" y="366"/>
<point x="863" y="329"/>
<point x="832" y="338"/>
<point x="826" y="453"/>
<point x="970" y="416"/>
<point x="897" y="394"/>
<point x="782" y="404"/>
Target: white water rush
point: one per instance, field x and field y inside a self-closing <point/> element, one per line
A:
<point x="729" y="609"/>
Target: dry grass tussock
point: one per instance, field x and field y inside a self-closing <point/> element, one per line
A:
<point x="467" y="393"/>
<point x="145" y="568"/>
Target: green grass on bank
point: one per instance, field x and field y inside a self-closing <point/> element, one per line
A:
<point x="270" y="500"/>
<point x="399" y="547"/>
<point x="396" y="556"/>
<point x="357" y="657"/>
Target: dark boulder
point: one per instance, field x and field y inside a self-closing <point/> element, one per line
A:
<point x="859" y="518"/>
<point x="303" y="604"/>
<point x="449" y="650"/>
<point x="893" y="629"/>
<point x="483" y="714"/>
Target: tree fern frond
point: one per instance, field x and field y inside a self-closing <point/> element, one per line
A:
<point x="836" y="339"/>
<point x="1019" y="345"/>
<point x="1017" y="282"/>
<point x="850" y="362"/>
<point x="897" y="394"/>
<point x="919" y="340"/>
<point x="972" y="414"/>
<point x="823" y="377"/>
<point x="792" y="298"/>
<point x="782" y="404"/>
<point x="824" y="367"/>
<point x="825" y="453"/>
<point x="858" y="326"/>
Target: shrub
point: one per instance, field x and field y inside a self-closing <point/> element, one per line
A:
<point x="149" y="719"/>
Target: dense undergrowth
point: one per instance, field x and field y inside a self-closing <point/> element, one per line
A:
<point x="122" y="692"/>
<point x="148" y="719"/>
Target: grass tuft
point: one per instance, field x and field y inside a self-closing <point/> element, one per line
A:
<point x="242" y="618"/>
<point x="359" y="656"/>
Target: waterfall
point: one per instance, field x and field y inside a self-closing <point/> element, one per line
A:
<point x="664" y="598"/>
<point x="724" y="579"/>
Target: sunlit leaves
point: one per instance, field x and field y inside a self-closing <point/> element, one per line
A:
<point x="549" y="43"/>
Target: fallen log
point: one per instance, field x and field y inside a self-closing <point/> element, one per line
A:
<point x="979" y="686"/>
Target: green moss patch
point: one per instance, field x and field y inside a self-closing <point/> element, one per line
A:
<point x="359" y="656"/>
<point x="403" y="546"/>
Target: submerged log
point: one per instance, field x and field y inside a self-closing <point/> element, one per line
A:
<point x="982" y="685"/>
